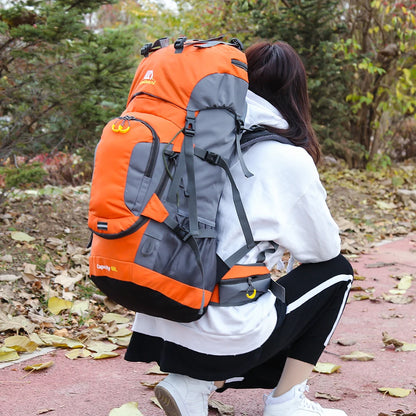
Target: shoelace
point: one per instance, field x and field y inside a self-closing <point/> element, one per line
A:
<point x="308" y="404"/>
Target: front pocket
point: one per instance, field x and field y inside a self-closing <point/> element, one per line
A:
<point x="239" y="291"/>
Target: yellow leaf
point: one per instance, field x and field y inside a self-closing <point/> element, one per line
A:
<point x="115" y="317"/>
<point x="78" y="353"/>
<point x="8" y="354"/>
<point x="99" y="346"/>
<point x="122" y="332"/>
<point x="395" y="392"/>
<point x="156" y="370"/>
<point x="21" y="236"/>
<point x="407" y="346"/>
<point x="128" y="409"/>
<point x="37" y="367"/>
<point x="357" y="356"/>
<point x="57" y="305"/>
<point x="103" y="354"/>
<point x="55" y="341"/>
<point x="20" y="343"/>
<point x="326" y="368"/>
<point x="405" y="282"/>
<point x="120" y="341"/>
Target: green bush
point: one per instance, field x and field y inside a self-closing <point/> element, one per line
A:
<point x="27" y="176"/>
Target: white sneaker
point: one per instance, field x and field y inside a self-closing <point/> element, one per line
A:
<point x="184" y="396"/>
<point x="298" y="406"/>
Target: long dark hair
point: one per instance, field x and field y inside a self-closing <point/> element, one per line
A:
<point x="276" y="73"/>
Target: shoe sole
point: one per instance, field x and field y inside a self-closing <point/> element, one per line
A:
<point x="167" y="401"/>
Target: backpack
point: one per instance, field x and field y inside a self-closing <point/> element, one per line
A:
<point x="159" y="171"/>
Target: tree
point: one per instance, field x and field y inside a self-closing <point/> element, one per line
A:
<point x="381" y="49"/>
<point x="60" y="80"/>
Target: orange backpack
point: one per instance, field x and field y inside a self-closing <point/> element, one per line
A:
<point x="159" y="172"/>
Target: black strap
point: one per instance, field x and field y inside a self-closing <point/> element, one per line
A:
<point x="260" y="134"/>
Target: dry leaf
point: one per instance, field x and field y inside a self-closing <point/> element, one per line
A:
<point x="99" y="346"/>
<point x="115" y="317"/>
<point x="398" y="299"/>
<point x="9" y="278"/>
<point x="78" y="353"/>
<point x="57" y="305"/>
<point x="346" y="342"/>
<point x="56" y="341"/>
<point x="155" y="401"/>
<point x="407" y="346"/>
<point x="327" y="396"/>
<point x="405" y="282"/>
<point x="8" y="354"/>
<point x="357" y="356"/>
<point x="40" y="366"/>
<point x="395" y="391"/>
<point x="104" y="354"/>
<point x="120" y="341"/>
<point x="326" y="368"/>
<point x="15" y="323"/>
<point x="80" y="307"/>
<point x="223" y="409"/>
<point x="150" y="385"/>
<point x="387" y="340"/>
<point x="21" y="236"/>
<point x="20" y="343"/>
<point x="127" y="409"/>
<point x="156" y="370"/>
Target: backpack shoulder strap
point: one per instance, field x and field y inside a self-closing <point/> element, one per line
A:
<point x="260" y="134"/>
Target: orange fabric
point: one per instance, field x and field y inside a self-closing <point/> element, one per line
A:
<point x="155" y="210"/>
<point x="240" y="270"/>
<point x="161" y="80"/>
<point x="124" y="249"/>
<point x="131" y="272"/>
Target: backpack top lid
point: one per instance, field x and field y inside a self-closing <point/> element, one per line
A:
<point x="171" y="73"/>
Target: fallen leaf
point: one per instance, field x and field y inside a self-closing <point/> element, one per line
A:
<point x="357" y="356"/>
<point x="346" y="342"/>
<point x="327" y="396"/>
<point x="104" y="354"/>
<point x="80" y="307"/>
<point x="398" y="299"/>
<point x="78" y="353"/>
<point x="15" y="323"/>
<point x="156" y="370"/>
<point x="405" y="282"/>
<point x="388" y="340"/>
<point x="326" y="368"/>
<point x="56" y="341"/>
<point x="127" y="409"/>
<point x="150" y="385"/>
<point x="115" y="317"/>
<point x="120" y="341"/>
<point x="9" y="278"/>
<point x="20" y="343"/>
<point x="155" y="401"/>
<point x="43" y="411"/>
<point x="21" y="236"/>
<point x="100" y="346"/>
<point x="223" y="409"/>
<point x="407" y="346"/>
<point x="8" y="354"/>
<point x="57" y="305"/>
<point x="38" y="367"/>
<point x="395" y="391"/>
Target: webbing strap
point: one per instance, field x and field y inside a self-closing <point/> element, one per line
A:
<point x="216" y="159"/>
<point x="174" y="187"/>
<point x="188" y="145"/>
<point x="247" y="173"/>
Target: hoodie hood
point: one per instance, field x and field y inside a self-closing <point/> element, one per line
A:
<point x="260" y="111"/>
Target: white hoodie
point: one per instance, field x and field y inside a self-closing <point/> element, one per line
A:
<point x="284" y="203"/>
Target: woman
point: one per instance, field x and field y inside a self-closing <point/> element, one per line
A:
<point x="259" y="344"/>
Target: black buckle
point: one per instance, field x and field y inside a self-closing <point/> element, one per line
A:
<point x="145" y="50"/>
<point x="237" y="43"/>
<point x="212" y="158"/>
<point x="181" y="233"/>
<point x="179" y="44"/>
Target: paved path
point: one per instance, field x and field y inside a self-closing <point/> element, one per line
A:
<point x="87" y="387"/>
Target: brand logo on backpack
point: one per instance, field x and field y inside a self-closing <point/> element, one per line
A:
<point x="148" y="78"/>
